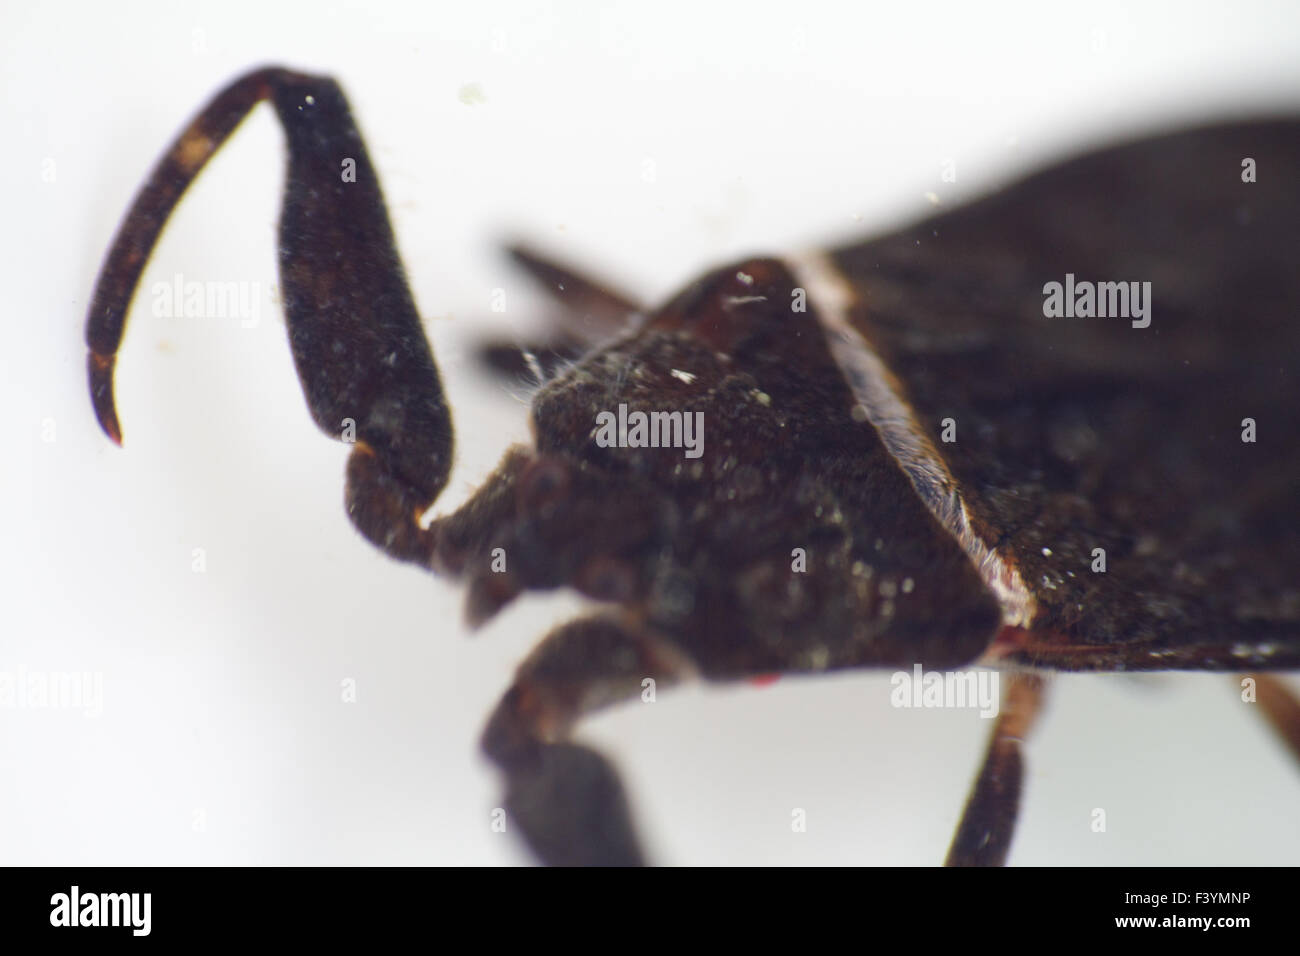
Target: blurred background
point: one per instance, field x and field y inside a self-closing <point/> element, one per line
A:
<point x="647" y="142"/>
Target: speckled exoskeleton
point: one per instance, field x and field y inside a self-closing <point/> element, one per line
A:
<point x="906" y="458"/>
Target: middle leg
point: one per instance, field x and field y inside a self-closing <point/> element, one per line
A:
<point x="984" y="834"/>
<point x="565" y="797"/>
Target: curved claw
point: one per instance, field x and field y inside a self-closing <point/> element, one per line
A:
<point x="144" y="221"/>
<point x="100" y="368"/>
<point x="365" y="366"/>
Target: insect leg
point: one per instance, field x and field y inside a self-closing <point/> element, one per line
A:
<point x="596" y="307"/>
<point x="565" y="798"/>
<point x="590" y="312"/>
<point x="362" y="358"/>
<point x="1281" y="708"/>
<point x="536" y="361"/>
<point x="983" y="837"/>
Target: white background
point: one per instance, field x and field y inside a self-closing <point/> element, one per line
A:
<point x="767" y="128"/>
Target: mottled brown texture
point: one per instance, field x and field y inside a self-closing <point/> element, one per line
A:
<point x="702" y="548"/>
<point x="1072" y="434"/>
<point x="1078" y="433"/>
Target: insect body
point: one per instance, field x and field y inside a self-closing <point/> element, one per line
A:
<point x="1013" y="434"/>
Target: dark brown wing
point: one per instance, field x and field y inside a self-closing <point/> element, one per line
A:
<point x="1074" y="434"/>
